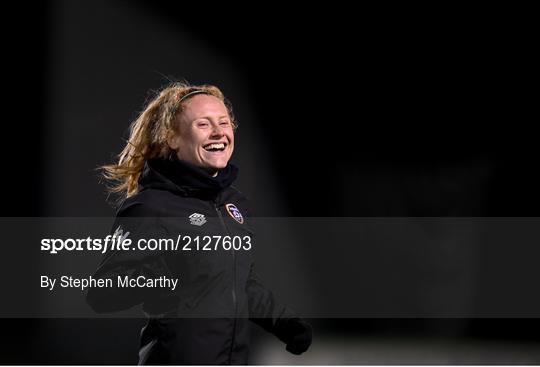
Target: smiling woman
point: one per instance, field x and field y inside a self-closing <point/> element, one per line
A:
<point x="204" y="132"/>
<point x="192" y="123"/>
<point x="175" y="179"/>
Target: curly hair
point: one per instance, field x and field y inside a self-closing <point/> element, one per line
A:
<point x="149" y="132"/>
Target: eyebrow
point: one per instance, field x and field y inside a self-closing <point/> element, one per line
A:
<point x="208" y="118"/>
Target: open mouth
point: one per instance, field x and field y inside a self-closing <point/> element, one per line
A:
<point x="215" y="147"/>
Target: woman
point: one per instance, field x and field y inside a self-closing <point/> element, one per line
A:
<point x="176" y="178"/>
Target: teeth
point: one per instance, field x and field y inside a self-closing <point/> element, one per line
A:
<point x="215" y="146"/>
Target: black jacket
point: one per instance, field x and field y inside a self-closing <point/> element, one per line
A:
<point x="205" y="319"/>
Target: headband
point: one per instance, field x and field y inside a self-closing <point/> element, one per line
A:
<point x="190" y="94"/>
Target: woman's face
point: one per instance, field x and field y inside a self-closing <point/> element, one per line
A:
<point x="205" y="134"/>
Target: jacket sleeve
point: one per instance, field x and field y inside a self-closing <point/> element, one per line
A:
<point x="264" y="310"/>
<point x="130" y="223"/>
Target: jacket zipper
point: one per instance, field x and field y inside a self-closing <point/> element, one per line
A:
<point x="234" y="282"/>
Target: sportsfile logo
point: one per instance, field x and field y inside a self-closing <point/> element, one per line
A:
<point x="197" y="219"/>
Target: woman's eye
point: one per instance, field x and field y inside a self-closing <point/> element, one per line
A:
<point x="224" y="123"/>
<point x="202" y="124"/>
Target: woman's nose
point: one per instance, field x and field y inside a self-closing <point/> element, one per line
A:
<point x="217" y="130"/>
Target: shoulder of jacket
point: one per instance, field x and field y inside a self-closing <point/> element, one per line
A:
<point x="234" y="191"/>
<point x="240" y="199"/>
<point x="147" y="203"/>
<point x="233" y="194"/>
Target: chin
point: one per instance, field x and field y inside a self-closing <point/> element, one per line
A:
<point x="219" y="167"/>
<point x="215" y="167"/>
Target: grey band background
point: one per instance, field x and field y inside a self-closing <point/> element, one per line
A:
<point x="321" y="267"/>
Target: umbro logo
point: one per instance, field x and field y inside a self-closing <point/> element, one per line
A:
<point x="197" y="219"/>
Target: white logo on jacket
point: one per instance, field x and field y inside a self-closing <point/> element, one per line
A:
<point x="119" y="233"/>
<point x="197" y="219"/>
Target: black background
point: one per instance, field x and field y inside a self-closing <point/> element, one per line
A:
<point x="370" y="112"/>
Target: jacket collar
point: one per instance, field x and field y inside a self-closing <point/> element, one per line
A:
<point x="185" y="179"/>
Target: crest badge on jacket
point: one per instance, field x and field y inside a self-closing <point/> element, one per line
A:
<point x="235" y="213"/>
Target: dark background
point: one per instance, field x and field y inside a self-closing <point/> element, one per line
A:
<point x="343" y="112"/>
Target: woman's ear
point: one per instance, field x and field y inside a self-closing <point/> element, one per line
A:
<point x="173" y="133"/>
<point x="172" y="139"/>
